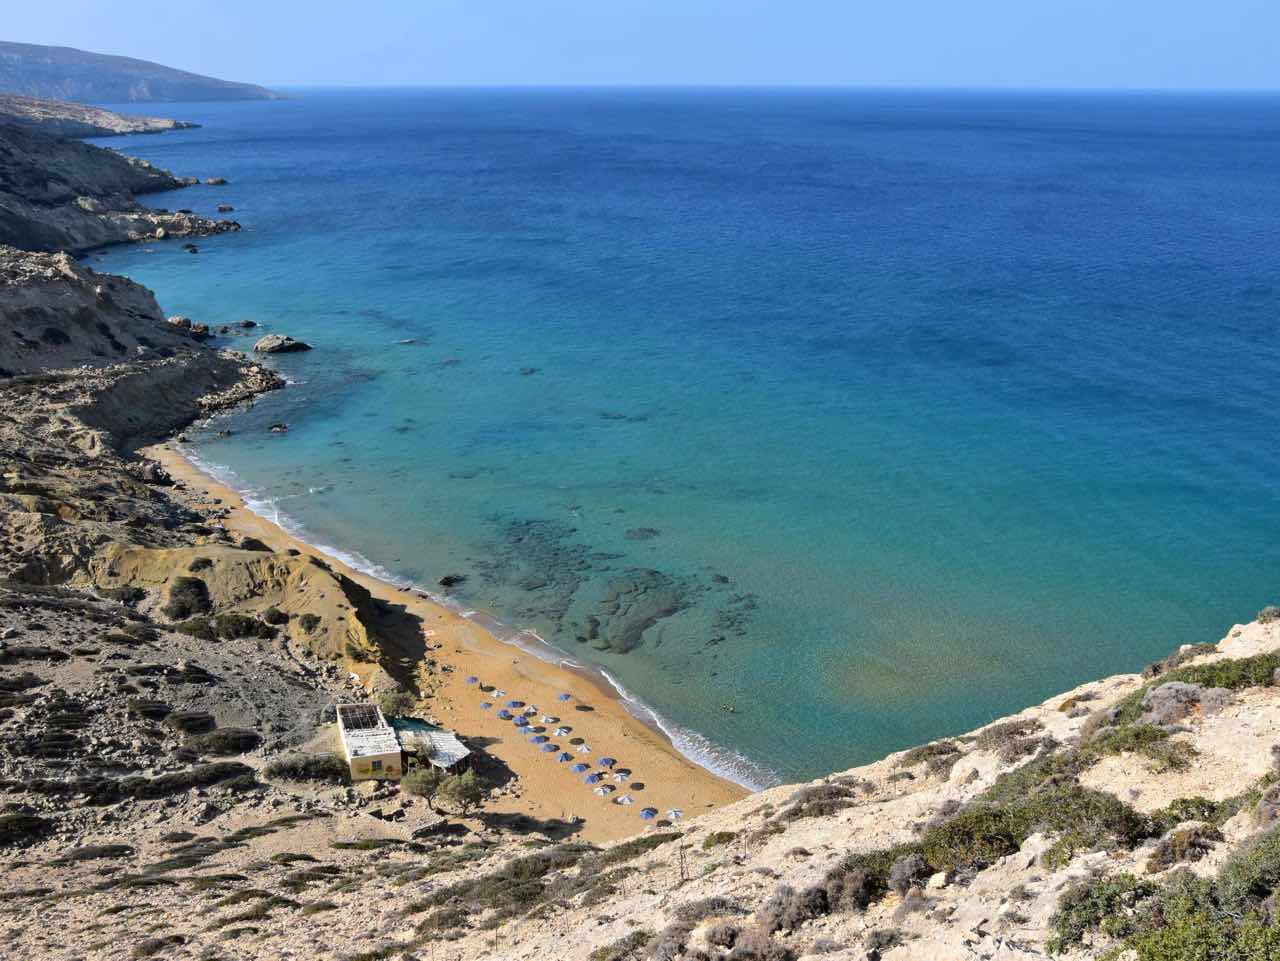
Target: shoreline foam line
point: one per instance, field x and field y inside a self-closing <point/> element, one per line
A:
<point x="695" y="747"/>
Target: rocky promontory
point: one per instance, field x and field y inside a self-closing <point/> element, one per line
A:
<point x="61" y="194"/>
<point x="58" y="118"/>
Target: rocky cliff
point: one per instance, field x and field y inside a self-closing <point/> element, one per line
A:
<point x="58" y="118"/>
<point x="60" y="194"/>
<point x="64" y="73"/>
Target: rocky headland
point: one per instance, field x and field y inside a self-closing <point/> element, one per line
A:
<point x="168" y="665"/>
<point x="57" y="118"/>
<point x="61" y="194"/>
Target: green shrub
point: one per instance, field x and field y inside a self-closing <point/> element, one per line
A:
<point x="310" y="767"/>
<point x="1145" y="739"/>
<point x="939" y="757"/>
<point x="275" y="617"/>
<point x="199" y="627"/>
<point x="20" y="830"/>
<point x="397" y="703"/>
<point x="716" y="838"/>
<point x="1251" y="874"/>
<point x="231" y="626"/>
<point x="628" y="948"/>
<point x="225" y="741"/>
<point x="309" y="622"/>
<point x="188" y="597"/>
<point x="199" y="564"/>
<point x="1269" y="614"/>
<point x="191" y="722"/>
<point x="1105" y="904"/>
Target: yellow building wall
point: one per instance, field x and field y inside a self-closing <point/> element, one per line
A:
<point x="376" y="766"/>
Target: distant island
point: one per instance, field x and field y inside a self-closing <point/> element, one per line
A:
<point x="64" y="73"/>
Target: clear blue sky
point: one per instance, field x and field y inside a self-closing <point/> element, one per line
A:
<point x="1209" y="44"/>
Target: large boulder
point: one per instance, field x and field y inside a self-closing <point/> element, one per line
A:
<point x="279" y="344"/>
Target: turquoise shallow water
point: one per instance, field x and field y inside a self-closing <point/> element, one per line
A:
<point x="872" y="416"/>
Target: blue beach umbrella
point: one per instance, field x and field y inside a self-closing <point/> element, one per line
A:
<point x="564" y="697"/>
<point x="504" y="714"/>
<point x="608" y="761"/>
<point x="540" y="739"/>
<point x="520" y="721"/>
<point x="592" y="779"/>
<point x="580" y="767"/>
<point x="548" y="748"/>
<point x="649" y="814"/>
<point x="485" y="705"/>
<point x="515" y="703"/>
<point x="564" y="757"/>
<point x="473" y="680"/>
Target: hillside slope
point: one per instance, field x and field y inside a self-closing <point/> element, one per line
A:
<point x="59" y="194"/>
<point x="64" y="73"/>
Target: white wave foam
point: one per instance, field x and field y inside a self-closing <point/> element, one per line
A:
<point x="698" y="748"/>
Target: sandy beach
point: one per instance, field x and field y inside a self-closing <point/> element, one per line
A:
<point x="543" y="788"/>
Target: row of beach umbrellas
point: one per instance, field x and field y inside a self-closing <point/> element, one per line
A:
<point x="544" y="743"/>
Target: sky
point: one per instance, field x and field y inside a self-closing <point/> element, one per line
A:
<point x="1128" y="44"/>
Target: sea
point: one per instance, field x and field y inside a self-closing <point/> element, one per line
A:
<point x="823" y="422"/>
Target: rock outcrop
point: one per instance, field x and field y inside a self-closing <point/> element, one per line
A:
<point x="64" y="73"/>
<point x="58" y="118"/>
<point x="59" y="194"/>
<point x="279" y="344"/>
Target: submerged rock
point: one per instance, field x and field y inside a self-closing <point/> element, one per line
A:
<point x="280" y="344"/>
<point x="215" y="181"/>
<point x="452" y="580"/>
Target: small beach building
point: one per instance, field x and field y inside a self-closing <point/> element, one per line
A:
<point x="440" y="748"/>
<point x="369" y="743"/>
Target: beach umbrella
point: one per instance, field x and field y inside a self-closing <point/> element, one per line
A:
<point x="624" y="800"/>
<point x="515" y="703"/>
<point x="621" y="776"/>
<point x="520" y="721"/>
<point x="531" y="709"/>
<point x="675" y="814"/>
<point x="605" y="789"/>
<point x="564" y="757"/>
<point x="539" y="739"/>
<point x="562" y="731"/>
<point x="473" y="680"/>
<point x="504" y="714"/>
<point x="592" y="779"/>
<point x="649" y="814"/>
<point x="608" y="761"/>
<point x="485" y="705"/>
<point x="499" y="693"/>
<point x="580" y="767"/>
<point x="548" y="748"/>
<point x="584" y="748"/>
<point x="564" y="697"/>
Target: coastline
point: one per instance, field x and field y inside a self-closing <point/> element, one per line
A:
<point x="662" y="776"/>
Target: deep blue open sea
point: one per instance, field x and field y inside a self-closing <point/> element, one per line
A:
<point x="870" y="415"/>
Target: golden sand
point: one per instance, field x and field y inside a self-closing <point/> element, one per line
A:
<point x="543" y="788"/>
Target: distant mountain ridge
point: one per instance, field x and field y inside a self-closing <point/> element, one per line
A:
<point x="64" y="73"/>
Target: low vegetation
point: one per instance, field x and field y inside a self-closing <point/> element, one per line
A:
<point x="188" y="597"/>
<point x="328" y="768"/>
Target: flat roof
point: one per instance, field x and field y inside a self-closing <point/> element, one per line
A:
<point x="365" y="732"/>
